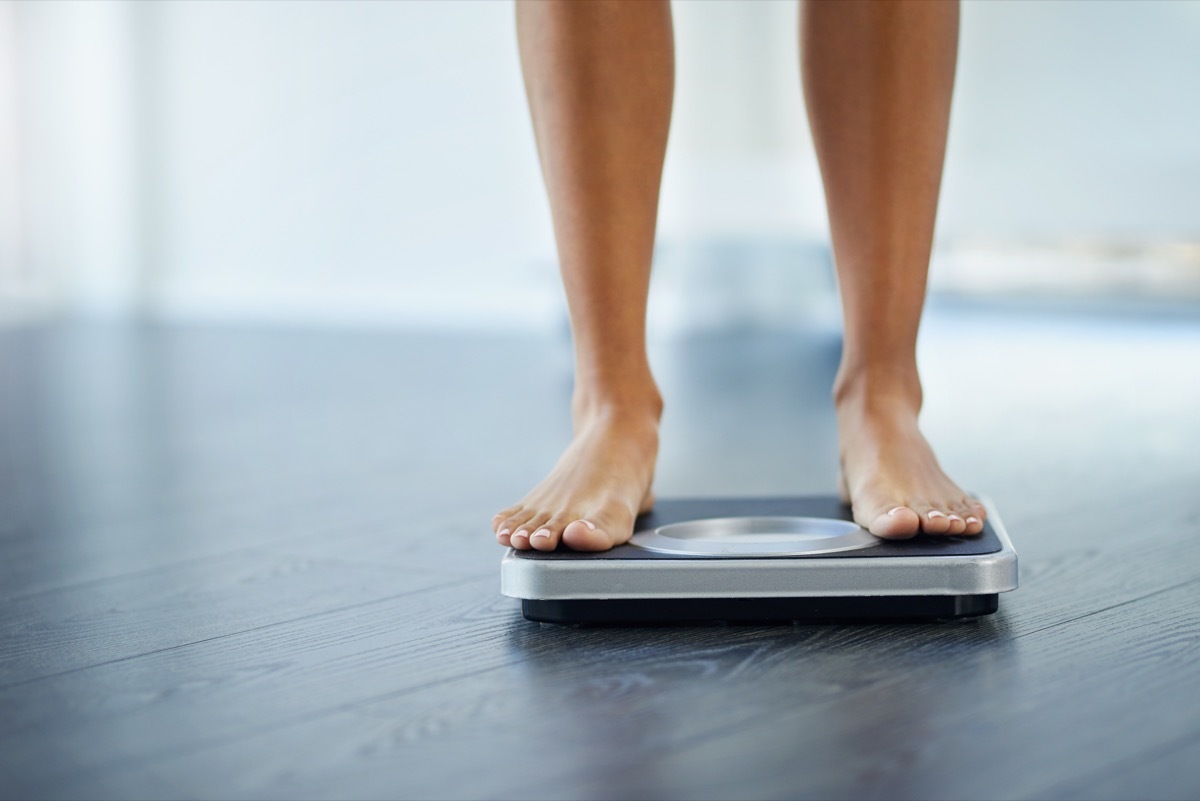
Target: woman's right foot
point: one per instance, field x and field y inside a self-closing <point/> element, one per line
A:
<point x="593" y="495"/>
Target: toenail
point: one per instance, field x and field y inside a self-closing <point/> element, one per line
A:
<point x="954" y="517"/>
<point x="541" y="534"/>
<point x="894" y="511"/>
<point x="972" y="520"/>
<point x="935" y="513"/>
<point x="590" y="524"/>
<point x="521" y="533"/>
<point x="502" y="533"/>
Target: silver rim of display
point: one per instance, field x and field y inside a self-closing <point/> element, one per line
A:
<point x="755" y="536"/>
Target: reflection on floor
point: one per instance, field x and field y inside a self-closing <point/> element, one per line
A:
<point x="255" y="563"/>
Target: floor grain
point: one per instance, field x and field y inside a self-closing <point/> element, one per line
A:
<point x="254" y="563"/>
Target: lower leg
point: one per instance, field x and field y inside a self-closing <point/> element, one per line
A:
<point x="878" y="79"/>
<point x="599" y="77"/>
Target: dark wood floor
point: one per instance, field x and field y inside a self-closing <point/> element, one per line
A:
<point x="255" y="563"/>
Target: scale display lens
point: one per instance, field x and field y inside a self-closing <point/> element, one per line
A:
<point x="755" y="536"/>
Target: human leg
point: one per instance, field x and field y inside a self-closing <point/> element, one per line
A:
<point x="599" y="76"/>
<point x="878" y="78"/>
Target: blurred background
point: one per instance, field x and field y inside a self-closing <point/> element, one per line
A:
<point x="366" y="164"/>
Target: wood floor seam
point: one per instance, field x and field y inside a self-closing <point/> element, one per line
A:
<point x="146" y="571"/>
<point x="1114" y="769"/>
<point x="265" y="627"/>
<point x="278" y="725"/>
<point x="1095" y="612"/>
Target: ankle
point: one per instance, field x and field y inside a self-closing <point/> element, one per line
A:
<point x="639" y="404"/>
<point x="867" y="388"/>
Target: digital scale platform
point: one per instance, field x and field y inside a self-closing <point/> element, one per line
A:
<point x="763" y="559"/>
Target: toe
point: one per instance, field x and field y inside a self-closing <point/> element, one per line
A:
<point x="522" y="534"/>
<point x="974" y="517"/>
<point x="584" y="535"/>
<point x="509" y="526"/>
<point x="898" y="523"/>
<point x="935" y="521"/>
<point x="957" y="524"/>
<point x="515" y="520"/>
<point x="503" y="516"/>
<point x="519" y="539"/>
<point x="547" y="535"/>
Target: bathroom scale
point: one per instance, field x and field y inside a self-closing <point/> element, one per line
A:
<point x="763" y="559"/>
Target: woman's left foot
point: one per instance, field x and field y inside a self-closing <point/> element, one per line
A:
<point x="890" y="476"/>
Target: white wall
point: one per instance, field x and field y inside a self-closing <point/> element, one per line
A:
<point x="346" y="159"/>
<point x="1076" y="120"/>
<point x="368" y="162"/>
<point x="78" y="151"/>
<point x="14" y="272"/>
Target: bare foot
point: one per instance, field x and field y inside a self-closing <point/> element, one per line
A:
<point x="593" y="495"/>
<point x="890" y="476"/>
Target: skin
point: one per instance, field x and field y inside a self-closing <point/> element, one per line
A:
<point x="878" y="78"/>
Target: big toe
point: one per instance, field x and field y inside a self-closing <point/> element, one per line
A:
<point x="898" y="523"/>
<point x="584" y="535"/>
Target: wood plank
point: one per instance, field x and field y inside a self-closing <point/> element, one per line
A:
<point x="127" y="450"/>
<point x="762" y="714"/>
<point x="238" y="685"/>
<point x="208" y="456"/>
<point x="1058" y="706"/>
<point x="66" y="630"/>
<point x="1168" y="773"/>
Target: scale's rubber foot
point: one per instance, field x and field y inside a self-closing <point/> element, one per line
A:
<point x="661" y="611"/>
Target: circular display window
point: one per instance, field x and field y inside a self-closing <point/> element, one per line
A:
<point x="755" y="536"/>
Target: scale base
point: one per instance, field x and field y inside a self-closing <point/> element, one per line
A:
<point x="743" y="560"/>
<point x="661" y="611"/>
